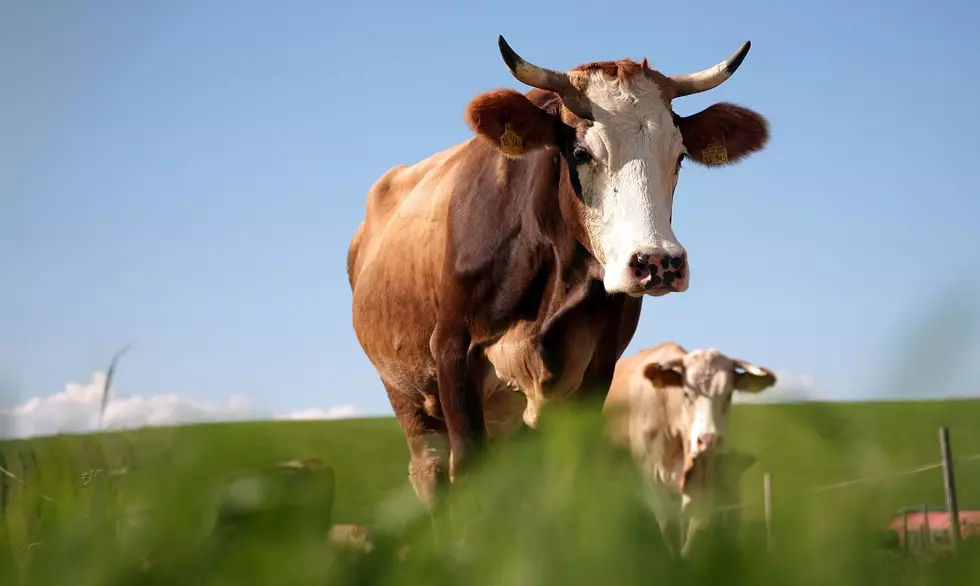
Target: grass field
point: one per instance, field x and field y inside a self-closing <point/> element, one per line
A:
<point x="581" y="523"/>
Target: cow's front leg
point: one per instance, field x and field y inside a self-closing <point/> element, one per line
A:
<point x="665" y="511"/>
<point x="697" y="502"/>
<point x="459" y="397"/>
<point x="696" y="510"/>
<point x="460" y="400"/>
<point x="694" y="524"/>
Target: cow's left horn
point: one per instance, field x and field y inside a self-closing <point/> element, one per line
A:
<point x="546" y="79"/>
<point x="704" y="80"/>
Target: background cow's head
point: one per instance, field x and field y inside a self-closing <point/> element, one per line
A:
<point x="614" y="124"/>
<point x="701" y="384"/>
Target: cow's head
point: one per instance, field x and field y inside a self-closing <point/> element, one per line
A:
<point x="614" y="124"/>
<point x="702" y="383"/>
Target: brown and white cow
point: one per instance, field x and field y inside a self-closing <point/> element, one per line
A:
<point x="670" y="408"/>
<point x="514" y="264"/>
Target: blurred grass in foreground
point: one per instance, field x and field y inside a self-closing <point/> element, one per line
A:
<point x="558" y="509"/>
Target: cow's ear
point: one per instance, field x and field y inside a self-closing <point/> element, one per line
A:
<point x="509" y="120"/>
<point x="750" y="378"/>
<point x="723" y="134"/>
<point x="665" y="374"/>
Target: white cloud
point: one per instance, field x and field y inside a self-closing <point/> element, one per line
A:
<point x="333" y="413"/>
<point x="790" y="387"/>
<point x="76" y="410"/>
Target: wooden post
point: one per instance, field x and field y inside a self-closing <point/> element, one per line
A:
<point x="949" y="482"/>
<point x="767" y="491"/>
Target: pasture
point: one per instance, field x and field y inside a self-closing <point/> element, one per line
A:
<point x="65" y="501"/>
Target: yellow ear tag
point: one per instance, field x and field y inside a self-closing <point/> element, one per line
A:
<point x="510" y="141"/>
<point x="714" y="154"/>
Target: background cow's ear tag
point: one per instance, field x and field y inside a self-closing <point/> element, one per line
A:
<point x="510" y="141"/>
<point x="714" y="154"/>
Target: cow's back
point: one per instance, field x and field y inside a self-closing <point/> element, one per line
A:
<point x="384" y="200"/>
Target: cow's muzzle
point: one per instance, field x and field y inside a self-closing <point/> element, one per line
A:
<point x="660" y="273"/>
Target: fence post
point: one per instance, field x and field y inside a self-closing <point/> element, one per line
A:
<point x="767" y="492"/>
<point x="949" y="482"/>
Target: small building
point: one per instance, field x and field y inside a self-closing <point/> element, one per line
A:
<point x="928" y="527"/>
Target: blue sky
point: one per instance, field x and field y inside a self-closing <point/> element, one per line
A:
<point x="186" y="176"/>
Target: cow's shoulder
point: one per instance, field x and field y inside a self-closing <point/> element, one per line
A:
<point x="504" y="234"/>
<point x="505" y="220"/>
<point x="497" y="199"/>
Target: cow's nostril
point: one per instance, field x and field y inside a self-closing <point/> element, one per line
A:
<point x="705" y="441"/>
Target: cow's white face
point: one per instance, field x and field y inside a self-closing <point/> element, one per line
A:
<point x="707" y="380"/>
<point x="628" y="163"/>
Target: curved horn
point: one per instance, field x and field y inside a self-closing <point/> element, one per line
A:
<point x="706" y="79"/>
<point x="531" y="74"/>
<point x="544" y="78"/>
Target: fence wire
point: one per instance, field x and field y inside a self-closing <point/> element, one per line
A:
<point x="853" y="481"/>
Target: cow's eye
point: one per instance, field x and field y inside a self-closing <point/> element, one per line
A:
<point x="679" y="160"/>
<point x="581" y="156"/>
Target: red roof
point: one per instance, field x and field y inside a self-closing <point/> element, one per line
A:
<point x="938" y="521"/>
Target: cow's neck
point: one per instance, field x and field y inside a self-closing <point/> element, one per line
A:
<point x="567" y="266"/>
<point x="573" y="304"/>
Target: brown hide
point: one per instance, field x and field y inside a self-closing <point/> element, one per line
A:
<point x="485" y="246"/>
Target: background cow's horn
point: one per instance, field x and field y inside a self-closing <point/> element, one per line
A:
<point x="704" y="80"/>
<point x="544" y="78"/>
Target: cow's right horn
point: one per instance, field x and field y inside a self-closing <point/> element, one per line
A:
<point x="546" y="79"/>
